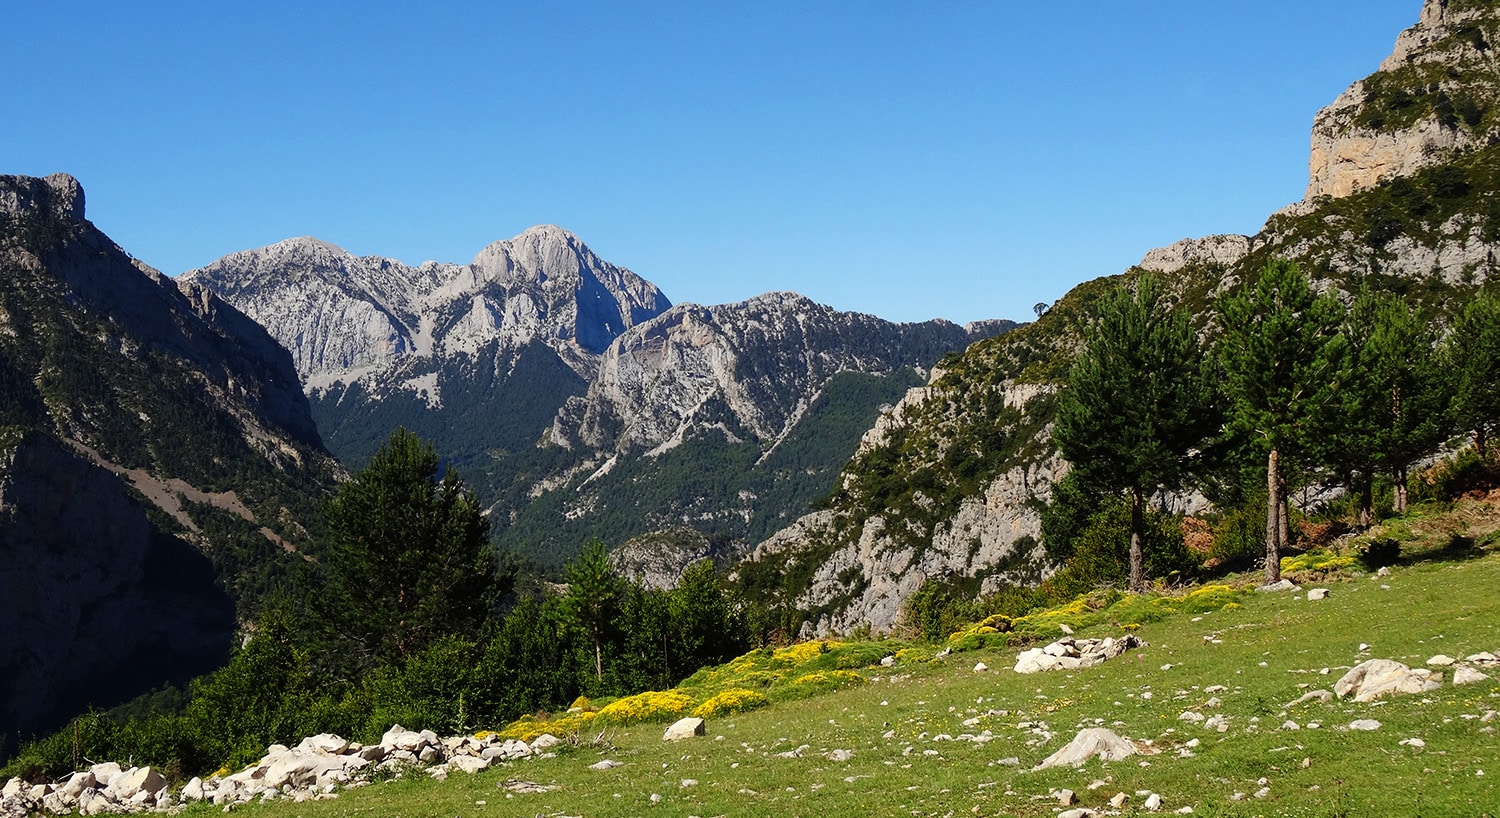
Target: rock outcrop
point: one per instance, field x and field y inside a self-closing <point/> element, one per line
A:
<point x="1423" y="107"/>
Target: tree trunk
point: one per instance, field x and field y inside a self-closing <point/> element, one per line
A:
<point x="1480" y="436"/>
<point x="1398" y="480"/>
<point x="1137" y="534"/>
<point x="1366" y="499"/>
<point x="598" y="660"/>
<point x="1273" y="517"/>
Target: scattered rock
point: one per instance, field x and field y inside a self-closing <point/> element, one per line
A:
<point x="1364" y="724"/>
<point x="1372" y="679"/>
<point x="1441" y="660"/>
<point x="1118" y="801"/>
<point x="1317" y="594"/>
<point x="606" y="764"/>
<point x="1413" y="742"/>
<point x="1067" y="798"/>
<point x="1069" y="653"/>
<point x="1283" y="585"/>
<point x="685" y="728"/>
<point x="1312" y="695"/>
<point x="1152" y="802"/>
<point x="1090" y="743"/>
<point x="1463" y="675"/>
<point x="841" y="755"/>
<point x="981" y="667"/>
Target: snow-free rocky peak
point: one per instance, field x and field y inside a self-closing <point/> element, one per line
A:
<point x="345" y="317"/>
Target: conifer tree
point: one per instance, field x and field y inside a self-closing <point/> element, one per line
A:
<point x="409" y="558"/>
<point x="1281" y="351"/>
<point x="1138" y="404"/>
<point x="1391" y="398"/>
<point x="595" y="598"/>
<point x="1473" y="362"/>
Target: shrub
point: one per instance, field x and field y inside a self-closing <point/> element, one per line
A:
<point x="734" y="700"/>
<point x="1379" y="552"/>
<point x="649" y="706"/>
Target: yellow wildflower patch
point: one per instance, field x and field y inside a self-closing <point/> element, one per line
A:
<point x="652" y="705"/>
<point x="734" y="700"/>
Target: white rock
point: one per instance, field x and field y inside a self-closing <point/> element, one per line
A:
<point x="1090" y="743"/>
<point x="1283" y="585"/>
<point x="606" y="764"/>
<point x="469" y="764"/>
<point x="1364" y="724"/>
<point x="193" y="790"/>
<point x="1383" y="677"/>
<point x="1463" y="675"/>
<point x="1152" y="802"/>
<point x="1317" y="594"/>
<point x="981" y="667"/>
<point x="1441" y="660"/>
<point x="684" y="728"/>
<point x="1413" y="742"/>
<point x="324" y="743"/>
<point x="545" y="741"/>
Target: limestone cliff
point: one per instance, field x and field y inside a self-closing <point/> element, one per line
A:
<point x="1432" y="99"/>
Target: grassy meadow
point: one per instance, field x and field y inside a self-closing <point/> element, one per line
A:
<point x="905" y="726"/>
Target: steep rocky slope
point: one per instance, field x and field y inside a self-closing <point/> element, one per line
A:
<point x="158" y="465"/>
<point x="1404" y="195"/>
<point x="570" y="395"/>
<point x="731" y="419"/>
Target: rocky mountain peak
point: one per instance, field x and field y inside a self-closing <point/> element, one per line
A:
<point x="59" y="196"/>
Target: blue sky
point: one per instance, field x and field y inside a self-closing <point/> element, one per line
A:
<point x="960" y="160"/>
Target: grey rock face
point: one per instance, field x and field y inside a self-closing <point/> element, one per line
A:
<point x="754" y="366"/>
<point x="344" y="317"/>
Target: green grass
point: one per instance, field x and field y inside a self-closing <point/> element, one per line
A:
<point x="1272" y="648"/>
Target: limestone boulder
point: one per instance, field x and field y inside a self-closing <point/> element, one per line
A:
<point x="1094" y="742"/>
<point x="1374" y="678"/>
<point x="685" y="728"/>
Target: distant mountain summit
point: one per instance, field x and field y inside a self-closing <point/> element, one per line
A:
<point x="344" y="317"/>
<point x="549" y="376"/>
<point x="159" y="466"/>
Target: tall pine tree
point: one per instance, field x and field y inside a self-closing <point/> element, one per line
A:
<point x="409" y="558"/>
<point x="1281" y="351"/>
<point x="1473" y="363"/>
<point x="1139" y="402"/>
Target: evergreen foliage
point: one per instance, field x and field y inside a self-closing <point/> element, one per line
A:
<point x="408" y="558"/>
<point x="1139" y="404"/>
<point x="1472" y="359"/>
<point x="1281" y="352"/>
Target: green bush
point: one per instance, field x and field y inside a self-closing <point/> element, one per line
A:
<point x="1379" y="553"/>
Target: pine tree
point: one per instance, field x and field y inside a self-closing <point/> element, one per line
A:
<point x="1473" y="363"/>
<point x="409" y="558"/>
<point x="1391" y="400"/>
<point x="1138" y="404"/>
<point x="1281" y="351"/>
<point x="596" y="596"/>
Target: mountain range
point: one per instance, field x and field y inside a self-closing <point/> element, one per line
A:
<point x="159" y="468"/>
<point x="571" y="393"/>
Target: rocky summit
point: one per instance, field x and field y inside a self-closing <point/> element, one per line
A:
<point x="545" y="374"/>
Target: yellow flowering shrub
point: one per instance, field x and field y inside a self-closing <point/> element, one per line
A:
<point x="1316" y="560"/>
<point x="734" y="700"/>
<point x="649" y="706"/>
<point x="802" y="652"/>
<point x="527" y="728"/>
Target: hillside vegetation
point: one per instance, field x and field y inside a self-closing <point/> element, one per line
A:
<point x="935" y="734"/>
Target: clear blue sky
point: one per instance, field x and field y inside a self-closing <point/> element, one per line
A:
<point x="912" y="160"/>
